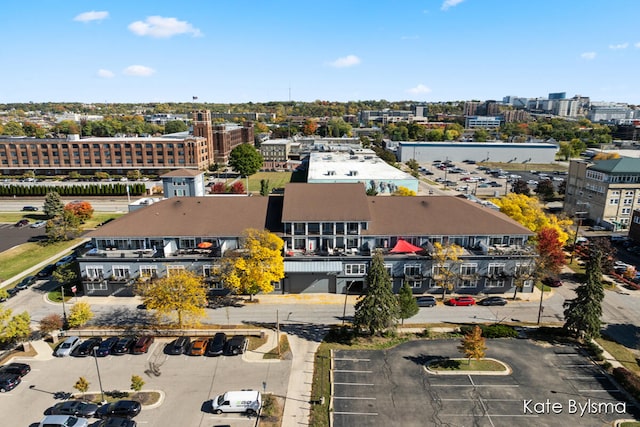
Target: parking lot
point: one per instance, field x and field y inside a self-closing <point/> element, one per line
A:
<point x="187" y="384"/>
<point x="392" y="387"/>
<point x="11" y="236"/>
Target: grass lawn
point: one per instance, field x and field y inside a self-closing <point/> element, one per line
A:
<point x="467" y="365"/>
<point x="630" y="424"/>
<point x="284" y="349"/>
<point x="22" y="257"/>
<point x="276" y="180"/>
<point x="621" y="353"/>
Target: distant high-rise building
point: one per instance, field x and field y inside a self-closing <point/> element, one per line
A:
<point x="558" y="95"/>
<point x="471" y="108"/>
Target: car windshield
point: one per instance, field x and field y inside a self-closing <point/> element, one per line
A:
<point x="66" y="345"/>
<point x="220" y="399"/>
<point x="71" y="421"/>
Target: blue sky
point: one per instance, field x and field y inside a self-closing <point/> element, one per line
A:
<point x="347" y="50"/>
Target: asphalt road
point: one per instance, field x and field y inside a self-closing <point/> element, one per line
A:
<point x="392" y="387"/>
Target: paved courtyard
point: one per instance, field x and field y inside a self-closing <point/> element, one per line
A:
<point x="551" y="385"/>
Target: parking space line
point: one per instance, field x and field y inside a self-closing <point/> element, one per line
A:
<point x="352" y="371"/>
<point x="586" y="377"/>
<point x="476" y="385"/>
<point x="599" y="391"/>
<point x="365" y="384"/>
<point x="576" y="365"/>
<point x="352" y="359"/>
<point x="489" y="416"/>
<point x="356" y="413"/>
<point x="354" y="398"/>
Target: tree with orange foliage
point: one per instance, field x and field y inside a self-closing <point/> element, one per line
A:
<point x="310" y="127"/>
<point x="550" y="254"/>
<point x="606" y="156"/>
<point x="82" y="210"/>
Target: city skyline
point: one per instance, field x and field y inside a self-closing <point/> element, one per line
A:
<point x="425" y="51"/>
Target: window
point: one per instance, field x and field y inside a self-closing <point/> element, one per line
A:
<point x="299" y="229"/>
<point x="439" y="270"/>
<point x="389" y="269"/>
<point x="98" y="286"/>
<point x="94" y="272"/>
<point x="413" y="270"/>
<point x="495" y="269"/>
<point x="313" y="228"/>
<point x="469" y="283"/>
<point x="174" y="269"/>
<point x="614" y="201"/>
<point x="468" y="269"/>
<point x="352" y="228"/>
<point x="414" y="283"/>
<point x="206" y="270"/>
<point x="626" y="211"/>
<point x="355" y="269"/>
<point x="148" y="271"/>
<point x="327" y="228"/>
<point x="628" y="201"/>
<point x="277" y="286"/>
<point x="522" y="270"/>
<point x="120" y="271"/>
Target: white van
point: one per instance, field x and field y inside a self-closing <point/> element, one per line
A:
<point x="248" y="401"/>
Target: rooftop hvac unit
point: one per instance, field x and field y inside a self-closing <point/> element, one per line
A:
<point x="353" y="173"/>
<point x="330" y="173"/>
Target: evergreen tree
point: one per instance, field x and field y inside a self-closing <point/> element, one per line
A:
<point x="583" y="313"/>
<point x="407" y="303"/>
<point x="377" y="309"/>
<point x="53" y="205"/>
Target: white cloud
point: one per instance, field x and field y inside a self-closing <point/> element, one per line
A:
<point x="346" y="61"/>
<point x="161" y="27"/>
<point x="450" y="3"/>
<point x="636" y="45"/>
<point x="105" y="74"/>
<point x="619" y="46"/>
<point x="420" y="89"/>
<point x="139" y="70"/>
<point x="588" y="55"/>
<point x="91" y="16"/>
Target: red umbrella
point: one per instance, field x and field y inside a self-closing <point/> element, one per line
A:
<point x="404" y="247"/>
<point x="205" y="245"/>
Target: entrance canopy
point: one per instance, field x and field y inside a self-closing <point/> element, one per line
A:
<point x="404" y="247"/>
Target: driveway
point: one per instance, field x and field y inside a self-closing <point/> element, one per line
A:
<point x="383" y="388"/>
<point x="188" y="384"/>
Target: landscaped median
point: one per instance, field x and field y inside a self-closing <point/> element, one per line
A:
<point x="486" y="366"/>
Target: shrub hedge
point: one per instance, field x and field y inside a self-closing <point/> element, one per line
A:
<point x="492" y="331"/>
<point x="628" y="380"/>
<point x="116" y="189"/>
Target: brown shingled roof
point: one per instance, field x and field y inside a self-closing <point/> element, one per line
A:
<point x="182" y="172"/>
<point x="191" y="216"/>
<point x="437" y="215"/>
<point x="325" y="202"/>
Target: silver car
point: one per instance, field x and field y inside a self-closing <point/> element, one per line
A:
<point x="67" y="347"/>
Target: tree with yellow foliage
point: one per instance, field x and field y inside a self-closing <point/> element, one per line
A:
<point x="404" y="191"/>
<point x="256" y="265"/>
<point x="527" y="211"/>
<point x="444" y="257"/>
<point x="606" y="156"/>
<point x="181" y="292"/>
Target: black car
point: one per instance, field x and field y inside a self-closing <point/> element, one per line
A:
<point x="493" y="301"/>
<point x="86" y="347"/>
<point x="117" y="422"/>
<point x="29" y="208"/>
<point x="21" y="369"/>
<point x="75" y="407"/>
<point x="123" y="346"/>
<point x="215" y="347"/>
<point x="179" y="346"/>
<point x="9" y="381"/>
<point x="121" y="408"/>
<point x="47" y="271"/>
<point x="13" y="291"/>
<point x="426" y="301"/>
<point x="22" y="223"/>
<point x="26" y="282"/>
<point x="106" y="346"/>
<point x="237" y="345"/>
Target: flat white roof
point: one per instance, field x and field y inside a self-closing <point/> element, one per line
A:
<point x="341" y="165"/>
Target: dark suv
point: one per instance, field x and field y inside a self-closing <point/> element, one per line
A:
<point x="216" y="345"/>
<point x="237" y="345"/>
<point x="179" y="346"/>
<point x="9" y="382"/>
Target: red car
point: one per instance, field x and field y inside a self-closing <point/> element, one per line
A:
<point x="463" y="301"/>
<point x="552" y="282"/>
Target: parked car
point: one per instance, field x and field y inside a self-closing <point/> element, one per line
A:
<point x="9" y="381"/>
<point x="63" y="421"/>
<point x="237" y="345"/>
<point x="106" y="346"/>
<point x="215" y="346"/>
<point x="121" y="408"/>
<point x="123" y="346"/>
<point x="142" y="345"/>
<point x="67" y="346"/>
<point x="493" y="301"/>
<point x="38" y="224"/>
<point x="198" y="346"/>
<point x="117" y="422"/>
<point x="29" y="208"/>
<point x="87" y="346"/>
<point x="426" y="301"/>
<point x="47" y="271"/>
<point x="13" y="292"/>
<point x="178" y="346"/>
<point x="21" y="369"/>
<point x="552" y="282"/>
<point x="26" y="282"/>
<point x="65" y="260"/>
<point x="462" y="301"/>
<point x="22" y="223"/>
<point x="75" y="407"/>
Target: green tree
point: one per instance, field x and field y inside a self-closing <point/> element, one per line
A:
<point x="82" y="385"/>
<point x="407" y="303"/>
<point x="245" y="159"/>
<point x="134" y="175"/>
<point x="481" y="135"/>
<point x="545" y="190"/>
<point x="63" y="227"/>
<point x="175" y="126"/>
<point x="256" y="265"/>
<point x="583" y="313"/>
<point x="136" y="383"/>
<point x="473" y="344"/>
<point x="79" y="315"/>
<point x="521" y="187"/>
<point x="565" y="150"/>
<point x="264" y="187"/>
<point x="377" y="309"/>
<point x="53" y="205"/>
<point x="182" y="293"/>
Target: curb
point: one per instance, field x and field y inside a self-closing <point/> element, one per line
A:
<point x="507" y="369"/>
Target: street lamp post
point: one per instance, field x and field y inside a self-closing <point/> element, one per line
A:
<point x="575" y="238"/>
<point x="103" y="401"/>
<point x="346" y="294"/>
<point x="64" y="310"/>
